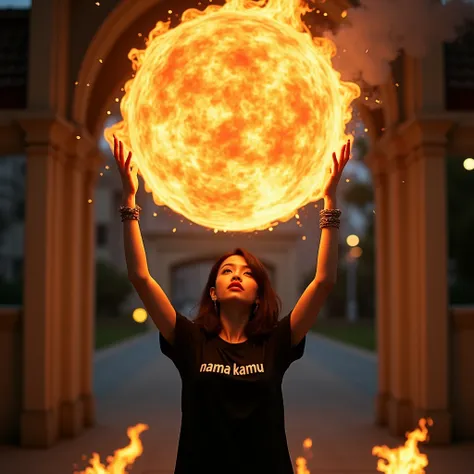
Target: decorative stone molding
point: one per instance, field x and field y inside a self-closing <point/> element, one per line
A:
<point x="393" y="150"/>
<point x="425" y="132"/>
<point x="46" y="130"/>
<point x="118" y="21"/>
<point x="69" y="143"/>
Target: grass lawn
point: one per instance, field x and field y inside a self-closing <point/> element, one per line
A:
<point x="360" y="334"/>
<point x="110" y="331"/>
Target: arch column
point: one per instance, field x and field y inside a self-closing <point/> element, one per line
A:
<point x="77" y="329"/>
<point x="428" y="273"/>
<point x="43" y="284"/>
<point x="399" y="403"/>
<point x="377" y="163"/>
<point x="59" y="269"/>
<point x="412" y="303"/>
<point x="92" y="159"/>
<point x="70" y="416"/>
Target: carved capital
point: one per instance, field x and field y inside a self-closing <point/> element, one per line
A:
<point x="426" y="132"/>
<point x="394" y="149"/>
<point x="46" y="130"/>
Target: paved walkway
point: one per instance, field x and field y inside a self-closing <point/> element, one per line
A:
<point x="328" y="397"/>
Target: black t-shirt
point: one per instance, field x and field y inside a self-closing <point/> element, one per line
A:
<point x="231" y="401"/>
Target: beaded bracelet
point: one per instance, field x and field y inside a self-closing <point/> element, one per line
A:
<point x="130" y="213"/>
<point x="330" y="213"/>
<point x="329" y="218"/>
<point x="326" y="222"/>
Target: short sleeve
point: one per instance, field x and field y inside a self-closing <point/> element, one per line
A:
<point x="183" y="349"/>
<point x="285" y="353"/>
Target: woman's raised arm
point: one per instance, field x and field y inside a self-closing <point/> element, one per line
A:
<point x="153" y="297"/>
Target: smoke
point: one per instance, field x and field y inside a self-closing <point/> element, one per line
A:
<point x="375" y="32"/>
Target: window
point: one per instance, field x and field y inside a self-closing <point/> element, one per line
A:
<point x="102" y="234"/>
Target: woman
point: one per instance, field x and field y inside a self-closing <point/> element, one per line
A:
<point x="232" y="358"/>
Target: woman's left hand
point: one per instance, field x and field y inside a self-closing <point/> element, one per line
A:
<point x="336" y="169"/>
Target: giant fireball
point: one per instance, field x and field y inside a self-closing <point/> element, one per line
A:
<point x="233" y="115"/>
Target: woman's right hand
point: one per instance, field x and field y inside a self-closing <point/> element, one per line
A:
<point x="128" y="171"/>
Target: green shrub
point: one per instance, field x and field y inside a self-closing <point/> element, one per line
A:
<point x="112" y="289"/>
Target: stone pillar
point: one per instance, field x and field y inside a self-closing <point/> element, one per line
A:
<point x="413" y="279"/>
<point x="73" y="198"/>
<point x="399" y="405"/>
<point x="43" y="291"/>
<point x="43" y="282"/>
<point x="377" y="163"/>
<point x="427" y="139"/>
<point x="91" y="164"/>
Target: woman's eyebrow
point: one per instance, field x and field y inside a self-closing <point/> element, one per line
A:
<point x="233" y="265"/>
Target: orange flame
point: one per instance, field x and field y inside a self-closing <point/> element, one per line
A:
<point x="234" y="114"/>
<point x="122" y="458"/>
<point x="406" y="459"/>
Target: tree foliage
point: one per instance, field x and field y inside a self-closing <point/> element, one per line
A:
<point x="112" y="289"/>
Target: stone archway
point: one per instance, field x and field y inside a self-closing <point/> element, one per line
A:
<point x="57" y="316"/>
<point x="124" y="28"/>
<point x="93" y="94"/>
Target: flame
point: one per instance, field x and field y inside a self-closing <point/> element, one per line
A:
<point x="233" y="115"/>
<point x="406" y="459"/>
<point x="122" y="458"/>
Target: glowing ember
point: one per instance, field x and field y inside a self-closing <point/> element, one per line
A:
<point x="405" y="459"/>
<point x="301" y="467"/>
<point x="122" y="458"/>
<point x="234" y="114"/>
<point x="301" y="461"/>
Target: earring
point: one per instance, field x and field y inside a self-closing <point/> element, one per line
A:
<point x="215" y="305"/>
<point x="256" y="308"/>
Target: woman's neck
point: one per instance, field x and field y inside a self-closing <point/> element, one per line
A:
<point x="233" y="326"/>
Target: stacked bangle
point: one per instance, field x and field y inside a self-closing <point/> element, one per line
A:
<point x="130" y="213"/>
<point x="329" y="218"/>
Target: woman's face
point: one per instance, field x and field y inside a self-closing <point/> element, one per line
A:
<point x="235" y="271"/>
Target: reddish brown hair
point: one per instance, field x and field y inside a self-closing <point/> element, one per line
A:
<point x="269" y="307"/>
